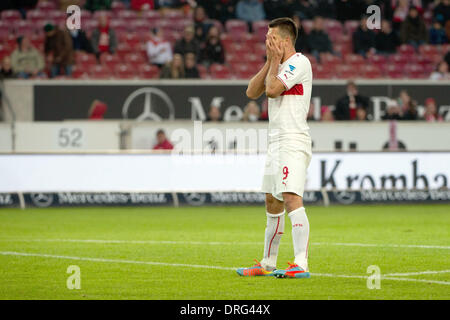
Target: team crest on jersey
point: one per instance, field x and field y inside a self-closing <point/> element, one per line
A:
<point x="291" y="67"/>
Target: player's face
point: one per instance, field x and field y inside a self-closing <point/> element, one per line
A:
<point x="275" y="33"/>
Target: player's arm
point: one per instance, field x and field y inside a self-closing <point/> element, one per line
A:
<point x="256" y="85"/>
<point x="274" y="86"/>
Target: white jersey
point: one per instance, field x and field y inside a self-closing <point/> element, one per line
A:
<point x="288" y="112"/>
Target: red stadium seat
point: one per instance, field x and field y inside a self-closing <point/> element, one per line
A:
<point x="371" y="71"/>
<point x="223" y="74"/>
<point x="100" y="72"/>
<point x="46" y="5"/>
<point x="406" y="49"/>
<point x="398" y="59"/>
<point x="428" y="49"/>
<point x="123" y="49"/>
<point x="80" y="72"/>
<point x="351" y="25"/>
<point x="354" y="59"/>
<point x="127" y="15"/>
<point x="118" y="6"/>
<point x="99" y="13"/>
<point x="236" y="27"/>
<point x="85" y="59"/>
<point x="414" y="71"/>
<point x="148" y="71"/>
<point x="119" y="26"/>
<point x="377" y="59"/>
<point x="10" y="15"/>
<point x="260" y="29"/>
<point x="327" y="59"/>
<point x="124" y="71"/>
<point x="134" y="59"/>
<point x="307" y="25"/>
<point x="34" y="15"/>
<point x="110" y="60"/>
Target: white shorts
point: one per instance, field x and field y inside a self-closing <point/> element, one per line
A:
<point x="285" y="169"/>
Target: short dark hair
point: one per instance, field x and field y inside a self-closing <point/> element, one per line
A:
<point x="287" y="26"/>
<point x="160" y="131"/>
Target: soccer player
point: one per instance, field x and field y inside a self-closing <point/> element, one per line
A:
<point x="286" y="79"/>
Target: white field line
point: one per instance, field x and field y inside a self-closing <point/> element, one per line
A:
<point x="415" y="273"/>
<point x="222" y="243"/>
<point x="25" y="254"/>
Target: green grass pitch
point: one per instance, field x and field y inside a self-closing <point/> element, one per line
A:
<point x="168" y="253"/>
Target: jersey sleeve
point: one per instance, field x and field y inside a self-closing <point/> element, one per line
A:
<point x="292" y="73"/>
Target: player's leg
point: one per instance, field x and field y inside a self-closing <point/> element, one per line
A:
<point x="274" y="231"/>
<point x="291" y="184"/>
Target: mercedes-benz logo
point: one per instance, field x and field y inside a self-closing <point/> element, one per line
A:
<point x="195" y="199"/>
<point x="42" y="200"/>
<point x="147" y="113"/>
<point x="345" y="197"/>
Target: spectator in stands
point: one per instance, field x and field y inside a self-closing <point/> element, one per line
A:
<point x="442" y="12"/>
<point x="103" y="38"/>
<point x="214" y="114"/>
<point x="304" y="9"/>
<point x="361" y="114"/>
<point x="213" y="51"/>
<point x="403" y="100"/>
<point x="447" y="58"/>
<point x="413" y="29"/>
<point x="222" y="10"/>
<point x="94" y="5"/>
<point x="437" y="33"/>
<point x="250" y="11"/>
<point x="349" y="10"/>
<point x="159" y="50"/>
<point x="188" y="43"/>
<point x="58" y="50"/>
<point x="393" y="111"/>
<point x="301" y="45"/>
<point x="162" y="143"/>
<point x="190" y="68"/>
<point x="441" y="72"/>
<point x="251" y="112"/>
<point x="26" y="61"/>
<point x="363" y="39"/>
<point x="161" y="4"/>
<point x="401" y="8"/>
<point x="410" y="113"/>
<point x="6" y="71"/>
<point x="80" y="41"/>
<point x="200" y="26"/>
<point x="174" y="69"/>
<point x="346" y="107"/>
<point x="326" y="114"/>
<point x="386" y="41"/>
<point x="431" y="111"/>
<point x="142" y="5"/>
<point x="318" y="41"/>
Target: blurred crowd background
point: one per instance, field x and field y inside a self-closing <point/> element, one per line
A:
<point x="224" y="39"/>
<point x="221" y="39"/>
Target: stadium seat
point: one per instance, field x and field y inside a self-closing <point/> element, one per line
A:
<point x="398" y="59"/>
<point x="350" y="26"/>
<point x="406" y="49"/>
<point x="79" y="72"/>
<point x="46" y="5"/>
<point x="236" y="27"/>
<point x="394" y="71"/>
<point x="99" y="13"/>
<point x="346" y="71"/>
<point x="34" y="15"/>
<point x="330" y="60"/>
<point x="354" y="59"/>
<point x="10" y="15"/>
<point x="127" y="15"/>
<point x="125" y="71"/>
<point x="119" y="26"/>
<point x="260" y="29"/>
<point x="117" y="6"/>
<point x="307" y="25"/>
<point x="370" y="71"/>
<point x="85" y="59"/>
<point x="148" y="71"/>
<point x="428" y="49"/>
<point x="100" y="72"/>
<point x="377" y="59"/>
<point x="23" y="27"/>
<point x="123" y="49"/>
<point x="134" y="59"/>
<point x="110" y="60"/>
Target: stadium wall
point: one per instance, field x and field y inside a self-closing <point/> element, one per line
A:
<point x="55" y="100"/>
<point x="148" y="179"/>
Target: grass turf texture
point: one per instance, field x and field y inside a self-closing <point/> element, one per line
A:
<point x="31" y="277"/>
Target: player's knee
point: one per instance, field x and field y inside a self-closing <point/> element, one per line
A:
<point x="292" y="201"/>
<point x="273" y="205"/>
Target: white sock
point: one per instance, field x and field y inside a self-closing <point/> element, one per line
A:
<point x="300" y="236"/>
<point x="274" y="231"/>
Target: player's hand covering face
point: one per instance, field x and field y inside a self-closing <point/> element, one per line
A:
<point x="274" y="45"/>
